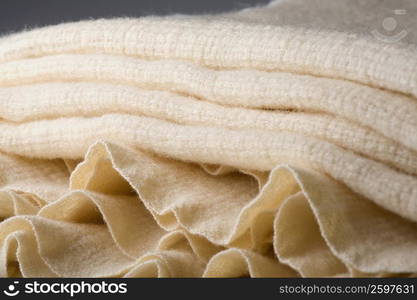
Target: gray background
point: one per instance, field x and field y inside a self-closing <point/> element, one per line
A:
<point x="16" y="15"/>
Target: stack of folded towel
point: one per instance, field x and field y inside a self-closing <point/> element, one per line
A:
<point x="274" y="141"/>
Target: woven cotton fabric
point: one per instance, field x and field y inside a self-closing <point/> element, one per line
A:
<point x="274" y="141"/>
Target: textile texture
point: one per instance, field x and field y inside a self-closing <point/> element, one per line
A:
<point x="274" y="141"/>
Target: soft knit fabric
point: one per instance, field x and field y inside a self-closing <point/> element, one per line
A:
<point x="274" y="141"/>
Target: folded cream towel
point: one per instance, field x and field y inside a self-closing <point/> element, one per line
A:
<point x="274" y="141"/>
